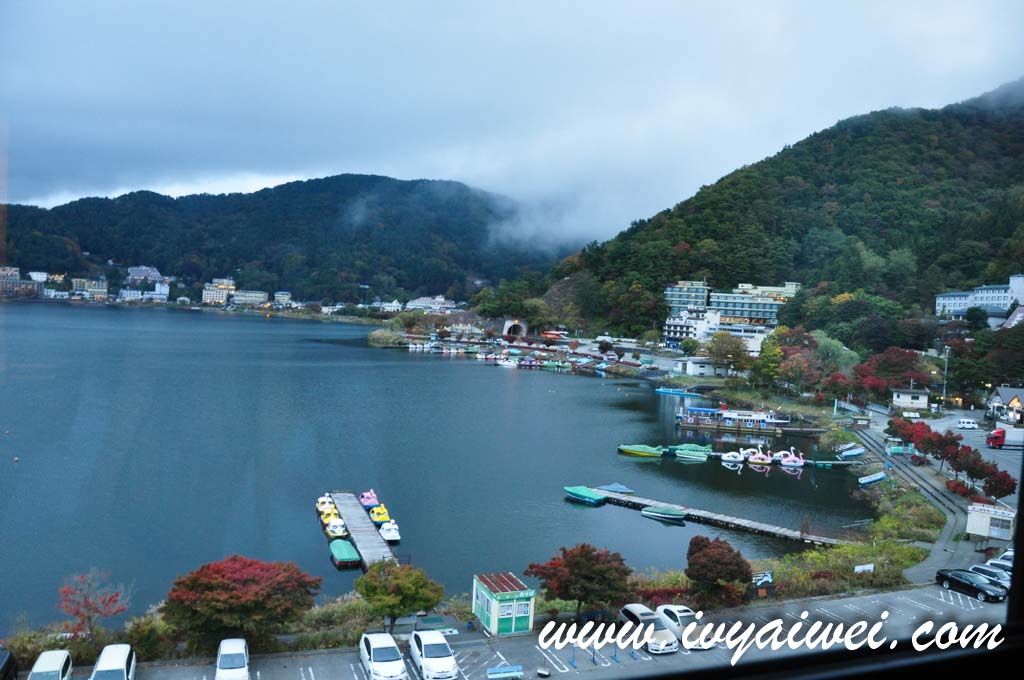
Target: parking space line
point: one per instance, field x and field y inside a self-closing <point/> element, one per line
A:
<point x="922" y="606"/>
<point x="411" y="667"/>
<point x="302" y="673"/>
<point x="554" y="660"/>
<point x="834" y="616"/>
<point x="857" y="609"/>
<point x="311" y="676"/>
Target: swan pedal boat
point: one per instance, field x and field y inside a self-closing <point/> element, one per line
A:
<point x="368" y="499"/>
<point x="389" y="531"/>
<point x="379" y="514"/>
<point x="336" y="529"/>
<point x="325" y="503"/>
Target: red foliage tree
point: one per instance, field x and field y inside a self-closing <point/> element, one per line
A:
<point x="716" y="560"/>
<point x="87" y="598"/>
<point x="1000" y="484"/>
<point x="238" y="597"/>
<point x="584" y="574"/>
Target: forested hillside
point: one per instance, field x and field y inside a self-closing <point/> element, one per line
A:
<point x="899" y="203"/>
<point x="319" y="238"/>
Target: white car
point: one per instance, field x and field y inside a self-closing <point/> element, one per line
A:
<point x="116" y="662"/>
<point x="432" y="656"/>
<point x="676" y="617"/>
<point x="232" y="660"/>
<point x="380" y="657"/>
<point x="52" y="665"/>
<point x="664" y="641"/>
<point x="967" y="424"/>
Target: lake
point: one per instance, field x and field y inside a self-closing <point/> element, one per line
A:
<point x="154" y="440"/>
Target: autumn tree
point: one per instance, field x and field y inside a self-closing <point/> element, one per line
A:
<point x="726" y="350"/>
<point x="238" y="597"/>
<point x="394" y="590"/>
<point x="87" y="598"/>
<point x="765" y="370"/>
<point x="1000" y="484"/>
<point x="604" y="347"/>
<point x="585" y="575"/>
<point x="717" y="570"/>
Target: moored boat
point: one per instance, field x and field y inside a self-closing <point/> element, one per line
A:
<point x="664" y="513"/>
<point x="336" y="529"/>
<point x="759" y="457"/>
<point x="792" y="459"/>
<point x="706" y="448"/>
<point x="325" y="503"/>
<point x="328" y="515"/>
<point x="676" y="392"/>
<point x="732" y="457"/>
<point x="368" y="499"/>
<point x="615" y="487"/>
<point x="389" y="531"/>
<point x="871" y="479"/>
<point x="851" y="450"/>
<point x="343" y="554"/>
<point x="379" y="514"/>
<point x="641" y="450"/>
<point x="691" y="455"/>
<point x="584" y="495"/>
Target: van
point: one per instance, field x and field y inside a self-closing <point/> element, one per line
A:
<point x="54" y="664"/>
<point x="967" y="424"/>
<point x="116" y="662"/>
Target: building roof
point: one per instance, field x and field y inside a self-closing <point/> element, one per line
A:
<point x="907" y="390"/>
<point x="505" y="582"/>
<point x="1015" y="318"/>
<point x="998" y="286"/>
<point x="1006" y="394"/>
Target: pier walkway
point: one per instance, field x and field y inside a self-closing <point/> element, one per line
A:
<point x="361" y="529"/>
<point x="725" y="521"/>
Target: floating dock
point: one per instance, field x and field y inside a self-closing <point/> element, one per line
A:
<point x="725" y="521"/>
<point x="361" y="530"/>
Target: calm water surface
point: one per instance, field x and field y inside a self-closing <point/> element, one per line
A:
<point x="152" y="441"/>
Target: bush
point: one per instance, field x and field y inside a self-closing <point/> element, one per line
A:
<point x="26" y="645"/>
<point x="152" y="638"/>
<point x="458" y="606"/>
<point x="957" y="486"/>
<point x="975" y="498"/>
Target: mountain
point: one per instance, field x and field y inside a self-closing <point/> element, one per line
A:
<point x="902" y="203"/>
<point x="319" y="238"/>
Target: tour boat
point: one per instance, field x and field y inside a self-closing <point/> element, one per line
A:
<point x="583" y="494"/>
<point x="368" y="499"/>
<point x="325" y="503"/>
<point x="641" y="451"/>
<point x="664" y="513"/>
<point x="379" y="514"/>
<point x="336" y="528"/>
<point x="732" y="457"/>
<point x="871" y="479"/>
<point x="389" y="531"/>
<point x="691" y="455"/>
<point x="343" y="554"/>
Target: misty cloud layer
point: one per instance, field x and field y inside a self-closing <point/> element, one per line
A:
<point x="589" y="114"/>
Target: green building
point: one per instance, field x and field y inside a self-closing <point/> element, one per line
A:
<point x="503" y="603"/>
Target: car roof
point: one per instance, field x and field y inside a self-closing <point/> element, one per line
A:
<point x="232" y="646"/>
<point x="431" y="637"/>
<point x="50" y="660"/>
<point x="638" y="608"/>
<point x="113" y="656"/>
<point x="380" y="639"/>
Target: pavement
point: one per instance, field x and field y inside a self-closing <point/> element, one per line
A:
<point x="907" y="610"/>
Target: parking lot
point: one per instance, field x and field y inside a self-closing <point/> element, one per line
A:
<point x="907" y="609"/>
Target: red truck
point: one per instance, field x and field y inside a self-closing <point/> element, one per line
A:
<point x="996" y="439"/>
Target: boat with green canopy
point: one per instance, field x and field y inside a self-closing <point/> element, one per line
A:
<point x="688" y="454"/>
<point x="584" y="494"/>
<point x="641" y="450"/>
<point x="664" y="513"/>
<point x="706" y="448"/>
<point x="343" y="554"/>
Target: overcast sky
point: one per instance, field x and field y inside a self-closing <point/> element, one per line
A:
<point x="593" y="114"/>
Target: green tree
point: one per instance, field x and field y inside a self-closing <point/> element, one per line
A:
<point x="726" y="350"/>
<point x="585" y="575"/>
<point x="976" y="318"/>
<point x="766" y="367"/>
<point x="688" y="346"/>
<point x="238" y="597"/>
<point x="394" y="590"/>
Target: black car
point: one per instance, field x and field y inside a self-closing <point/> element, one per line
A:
<point x="973" y="584"/>
<point x="8" y="669"/>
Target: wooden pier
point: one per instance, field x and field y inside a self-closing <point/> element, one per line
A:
<point x="725" y="521"/>
<point x="361" y="530"/>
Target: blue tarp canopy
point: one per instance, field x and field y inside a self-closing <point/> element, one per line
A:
<point x="616" y="487"/>
<point x="701" y="409"/>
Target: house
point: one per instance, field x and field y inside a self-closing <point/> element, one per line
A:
<point x="987" y="521"/>
<point x="503" y="604"/>
<point x="910" y="398"/>
<point x="704" y="366"/>
<point x="1007" y="404"/>
<point x="392" y="307"/>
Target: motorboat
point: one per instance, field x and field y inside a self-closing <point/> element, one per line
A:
<point x="368" y="499"/>
<point x="641" y="450"/>
<point x="792" y="459"/>
<point x="379" y="514"/>
<point x="336" y="528"/>
<point x="675" y="448"/>
<point x="508" y="363"/>
<point x="615" y="487"/>
<point x="584" y="495"/>
<point x="325" y="503"/>
<point x="851" y="450"/>
<point x="343" y="554"/>
<point x="691" y="455"/>
<point x="664" y="513"/>
<point x="389" y="531"/>
<point x="871" y="479"/>
<point x="732" y="457"/>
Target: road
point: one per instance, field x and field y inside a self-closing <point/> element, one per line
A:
<point x="907" y="609"/>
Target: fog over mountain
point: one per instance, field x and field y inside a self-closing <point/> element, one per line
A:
<point x="589" y="116"/>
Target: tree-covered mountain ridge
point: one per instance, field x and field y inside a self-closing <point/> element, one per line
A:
<point x="902" y="203"/>
<point x="320" y="238"/>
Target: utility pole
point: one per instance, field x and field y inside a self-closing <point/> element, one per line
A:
<point x="945" y="369"/>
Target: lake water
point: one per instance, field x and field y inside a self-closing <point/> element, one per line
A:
<point x="152" y="441"/>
